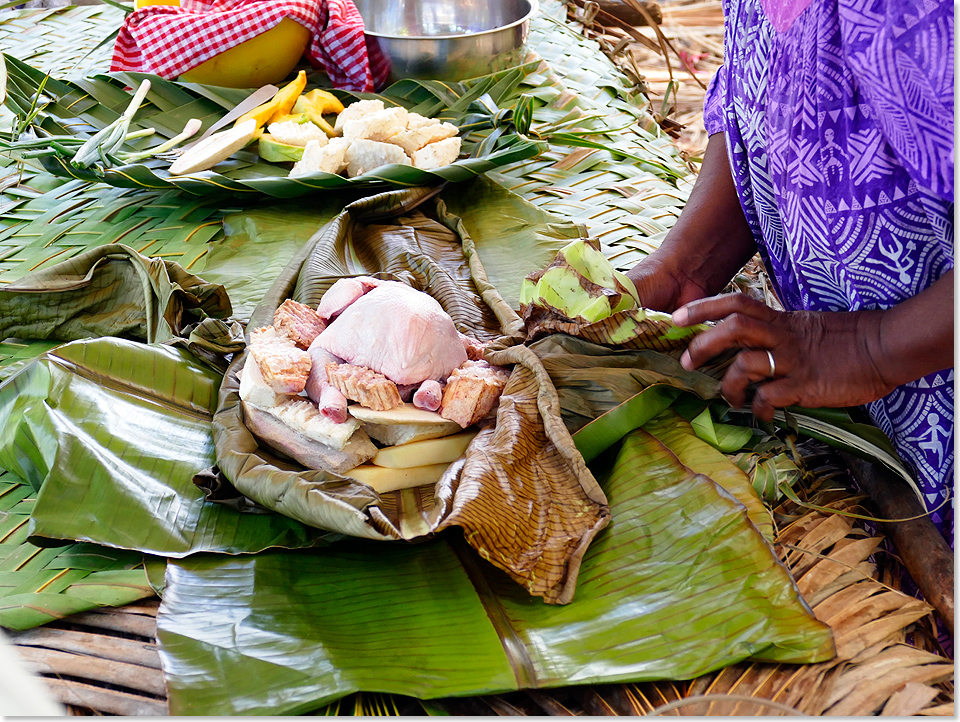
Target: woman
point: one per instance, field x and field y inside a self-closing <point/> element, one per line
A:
<point x="831" y="152"/>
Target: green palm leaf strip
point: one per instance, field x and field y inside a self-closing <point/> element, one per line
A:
<point x="39" y="585"/>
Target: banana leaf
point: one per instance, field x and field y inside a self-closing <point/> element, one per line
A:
<point x="531" y="514"/>
<point x="624" y="390"/>
<point x="115" y="291"/>
<point x="110" y="432"/>
<point x="76" y="110"/>
<point x="39" y="585"/>
<point x="675" y="586"/>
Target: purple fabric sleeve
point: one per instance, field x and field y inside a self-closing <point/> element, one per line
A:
<point x="713" y="102"/>
<point x="901" y="54"/>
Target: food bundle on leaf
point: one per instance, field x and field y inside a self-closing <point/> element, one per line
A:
<point x="351" y="140"/>
<point x="415" y="381"/>
<point x="581" y="294"/>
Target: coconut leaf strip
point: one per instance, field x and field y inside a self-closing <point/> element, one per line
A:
<point x="607" y="429"/>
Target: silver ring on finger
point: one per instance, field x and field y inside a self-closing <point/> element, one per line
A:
<point x="773" y="364"/>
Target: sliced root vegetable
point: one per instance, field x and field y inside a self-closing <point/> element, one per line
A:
<point x="404" y="414"/>
<point x="382" y="479"/>
<point x="216" y="148"/>
<point x="424" y="453"/>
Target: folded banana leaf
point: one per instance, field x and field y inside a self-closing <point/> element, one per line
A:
<point x="532" y="514"/>
<point x="675" y="586"/>
<point x="110" y="432"/>
<point x="80" y="108"/>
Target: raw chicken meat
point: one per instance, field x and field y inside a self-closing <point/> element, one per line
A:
<point x="428" y="396"/>
<point x="342" y="293"/>
<point x="397" y="331"/>
<point x="332" y="403"/>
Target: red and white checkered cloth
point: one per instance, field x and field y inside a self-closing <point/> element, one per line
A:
<point x="167" y="40"/>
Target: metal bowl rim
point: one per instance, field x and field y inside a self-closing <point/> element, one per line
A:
<point x="534" y="6"/>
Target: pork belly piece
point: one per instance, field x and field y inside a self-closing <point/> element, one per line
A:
<point x="473" y="347"/>
<point x="364" y="385"/>
<point x="472" y="391"/>
<point x="342" y="293"/>
<point x="284" y="367"/>
<point x="415" y="338"/>
<point x="428" y="396"/>
<point x="331" y="403"/>
<point x="297" y="322"/>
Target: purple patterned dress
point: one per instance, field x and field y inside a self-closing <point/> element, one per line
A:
<point x="838" y="117"/>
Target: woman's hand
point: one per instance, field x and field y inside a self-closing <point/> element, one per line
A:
<point x="804" y="358"/>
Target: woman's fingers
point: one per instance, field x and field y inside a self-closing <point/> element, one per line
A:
<point x="717" y="307"/>
<point x="735" y="331"/>
<point x="749" y="367"/>
<point x="778" y="394"/>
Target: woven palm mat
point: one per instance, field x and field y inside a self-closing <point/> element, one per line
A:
<point x="887" y="660"/>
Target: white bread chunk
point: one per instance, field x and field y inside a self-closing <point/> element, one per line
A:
<point x="356" y="110"/>
<point x="377" y="126"/>
<point x="413" y="140"/>
<point x="436" y="155"/>
<point x="322" y="158"/>
<point x="364" y="155"/>
<point x="416" y="121"/>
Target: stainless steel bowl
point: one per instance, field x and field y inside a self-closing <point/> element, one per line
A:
<point x="447" y="39"/>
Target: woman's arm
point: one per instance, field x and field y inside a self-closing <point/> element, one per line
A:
<point x="706" y="247"/>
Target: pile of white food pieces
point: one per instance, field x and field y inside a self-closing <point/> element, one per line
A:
<point x="370" y="136"/>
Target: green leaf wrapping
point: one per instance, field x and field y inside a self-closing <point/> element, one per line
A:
<point x="676" y="586"/>
<point x="111" y="432"/>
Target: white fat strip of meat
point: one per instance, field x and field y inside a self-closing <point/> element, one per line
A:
<point x="332" y="403"/>
<point x="397" y="331"/>
<point x="428" y="396"/>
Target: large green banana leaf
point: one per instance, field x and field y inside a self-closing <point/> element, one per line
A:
<point x="676" y="586"/>
<point x="111" y="433"/>
<point x="80" y="108"/>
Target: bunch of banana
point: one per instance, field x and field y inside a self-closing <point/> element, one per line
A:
<point x="581" y="284"/>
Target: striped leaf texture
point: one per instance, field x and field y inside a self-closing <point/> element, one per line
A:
<point x="39" y="585"/>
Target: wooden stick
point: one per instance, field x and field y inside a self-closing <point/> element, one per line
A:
<point x="924" y="551"/>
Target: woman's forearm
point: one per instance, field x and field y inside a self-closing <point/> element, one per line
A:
<point x="711" y="240"/>
<point x="915" y="337"/>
